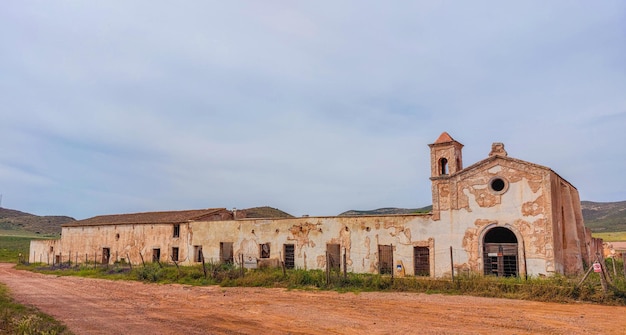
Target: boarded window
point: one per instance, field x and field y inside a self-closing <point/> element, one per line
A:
<point x="290" y="256"/>
<point x="175" y="254"/>
<point x="226" y="252"/>
<point x="334" y="256"/>
<point x="264" y="250"/>
<point x="385" y="259"/>
<point x="106" y="255"/>
<point x="156" y="255"/>
<point x="421" y="259"/>
<point x="197" y="253"/>
<point x="176" y="230"/>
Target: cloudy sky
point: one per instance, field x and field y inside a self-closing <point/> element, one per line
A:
<point x="312" y="107"/>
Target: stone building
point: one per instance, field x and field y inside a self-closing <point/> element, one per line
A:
<point x="501" y="216"/>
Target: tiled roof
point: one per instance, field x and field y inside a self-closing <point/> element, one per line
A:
<point x="149" y="217"/>
<point x="444" y="137"/>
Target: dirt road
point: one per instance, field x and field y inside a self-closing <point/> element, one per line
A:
<point x="95" y="306"/>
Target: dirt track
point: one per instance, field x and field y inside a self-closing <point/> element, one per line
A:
<point x="95" y="306"/>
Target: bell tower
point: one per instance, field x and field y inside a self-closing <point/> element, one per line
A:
<point x="446" y="159"/>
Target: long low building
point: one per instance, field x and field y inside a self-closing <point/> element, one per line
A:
<point x="500" y="216"/>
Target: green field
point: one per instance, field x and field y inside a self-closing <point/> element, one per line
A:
<point x="612" y="236"/>
<point x="11" y="245"/>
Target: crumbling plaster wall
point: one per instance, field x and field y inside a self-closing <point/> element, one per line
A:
<point x="358" y="236"/>
<point x="523" y="208"/>
<point x="124" y="241"/>
<point x="570" y="236"/>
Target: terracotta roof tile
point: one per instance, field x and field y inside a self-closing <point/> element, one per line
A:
<point x="444" y="137"/>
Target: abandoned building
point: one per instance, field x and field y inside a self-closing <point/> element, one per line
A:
<point x="500" y="216"/>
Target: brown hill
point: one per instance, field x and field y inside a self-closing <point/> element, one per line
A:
<point x="266" y="212"/>
<point x="15" y="220"/>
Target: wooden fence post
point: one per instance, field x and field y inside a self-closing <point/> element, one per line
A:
<point x="451" y="264"/>
<point x="393" y="266"/>
<point x="345" y="266"/>
<point x="327" y="269"/>
<point x="129" y="262"/>
<point x="242" y="268"/>
<point x="202" y="258"/>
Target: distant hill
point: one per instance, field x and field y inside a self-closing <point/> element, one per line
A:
<point x="604" y="216"/>
<point x="266" y="212"/>
<point x="14" y="220"/>
<point x="598" y="216"/>
<point x="387" y="211"/>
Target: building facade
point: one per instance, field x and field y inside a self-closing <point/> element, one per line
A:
<point x="500" y="216"/>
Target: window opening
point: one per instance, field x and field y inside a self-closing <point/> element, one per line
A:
<point x="197" y="253"/>
<point x="264" y="250"/>
<point x="176" y="230"/>
<point x="290" y="256"/>
<point x="498" y="185"/>
<point x="443" y="164"/>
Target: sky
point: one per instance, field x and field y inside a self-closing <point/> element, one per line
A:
<point x="312" y="107"/>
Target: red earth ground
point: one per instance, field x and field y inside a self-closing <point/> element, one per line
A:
<point x="97" y="306"/>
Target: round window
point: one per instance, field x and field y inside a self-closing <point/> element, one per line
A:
<point x="498" y="185"/>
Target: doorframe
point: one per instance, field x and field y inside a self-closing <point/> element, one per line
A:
<point x="521" y="254"/>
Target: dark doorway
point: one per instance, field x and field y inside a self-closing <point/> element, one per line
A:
<point x="290" y="256"/>
<point x="156" y="255"/>
<point x="500" y="253"/>
<point x="106" y="255"/>
<point x="334" y="256"/>
<point x="385" y="259"/>
<point x="226" y="252"/>
<point x="421" y="259"/>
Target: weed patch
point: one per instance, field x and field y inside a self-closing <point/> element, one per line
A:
<point x="19" y="319"/>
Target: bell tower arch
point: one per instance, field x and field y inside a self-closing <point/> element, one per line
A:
<point x="446" y="159"/>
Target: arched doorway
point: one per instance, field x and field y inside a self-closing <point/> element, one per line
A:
<point x="500" y="253"/>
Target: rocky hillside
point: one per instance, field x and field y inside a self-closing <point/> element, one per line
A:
<point x="14" y="220"/>
<point x="605" y="216"/>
